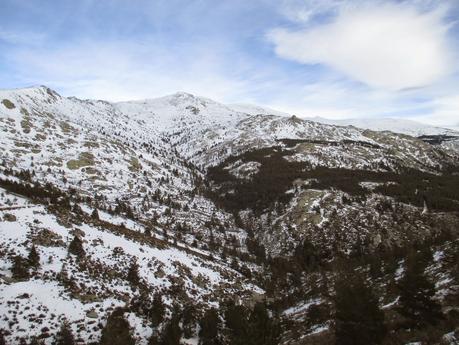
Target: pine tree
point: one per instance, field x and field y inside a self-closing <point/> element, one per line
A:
<point x="172" y="332"/>
<point x="188" y="320"/>
<point x="20" y="268"/>
<point x="236" y="320"/>
<point x="153" y="340"/>
<point x="133" y="274"/>
<point x="416" y="295"/>
<point x="157" y="311"/>
<point x="117" y="330"/>
<point x="65" y="335"/>
<point x="263" y="330"/>
<point x="34" y="257"/>
<point x="208" y="334"/>
<point x="359" y="321"/>
<point x="76" y="247"/>
<point x="95" y="214"/>
<point x="2" y="338"/>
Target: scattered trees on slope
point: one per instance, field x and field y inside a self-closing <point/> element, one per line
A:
<point x="416" y="295"/>
<point x="117" y="330"/>
<point x="359" y="321"/>
<point x="64" y="336"/>
<point x="251" y="327"/>
<point x="209" y="328"/>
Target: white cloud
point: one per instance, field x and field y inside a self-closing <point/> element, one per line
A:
<point x="25" y="37"/>
<point x="305" y="10"/>
<point x="123" y="70"/>
<point x="335" y="99"/>
<point x="391" y="46"/>
<point x="445" y="112"/>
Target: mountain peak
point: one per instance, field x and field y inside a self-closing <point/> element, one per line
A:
<point x="182" y="94"/>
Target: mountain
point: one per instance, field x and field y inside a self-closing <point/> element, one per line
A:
<point x="403" y="126"/>
<point x="203" y="205"/>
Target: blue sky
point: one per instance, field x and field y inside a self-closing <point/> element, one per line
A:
<point x="329" y="58"/>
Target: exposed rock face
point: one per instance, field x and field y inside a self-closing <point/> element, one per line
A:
<point x="48" y="238"/>
<point x="8" y="217"/>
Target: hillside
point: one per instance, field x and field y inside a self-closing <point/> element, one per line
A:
<point x="214" y="211"/>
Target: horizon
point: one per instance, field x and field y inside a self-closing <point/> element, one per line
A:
<point x="335" y="60"/>
<point x="280" y="112"/>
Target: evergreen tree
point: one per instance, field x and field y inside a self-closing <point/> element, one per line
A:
<point x="172" y="332"/>
<point x="158" y="310"/>
<point x="416" y="295"/>
<point x="154" y="340"/>
<point x="306" y="255"/>
<point x="34" y="257"/>
<point x="188" y="320"/>
<point x="20" y="268"/>
<point x="76" y="247"/>
<point x="263" y="330"/>
<point x="117" y="330"/>
<point x="65" y="335"/>
<point x="359" y="321"/>
<point x="237" y="323"/>
<point x="2" y="338"/>
<point x="95" y="214"/>
<point x="133" y="273"/>
<point x="208" y="334"/>
<point x="76" y="208"/>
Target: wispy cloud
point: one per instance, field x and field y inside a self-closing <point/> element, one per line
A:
<point x="388" y="46"/>
<point x="390" y="58"/>
<point x="335" y="58"/>
<point x="121" y="70"/>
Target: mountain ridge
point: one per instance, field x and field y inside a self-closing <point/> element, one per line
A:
<point x="207" y="203"/>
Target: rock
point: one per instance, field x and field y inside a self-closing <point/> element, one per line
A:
<point x="92" y="314"/>
<point x="8" y="217"/>
<point x="89" y="298"/>
<point x="78" y="233"/>
<point x="112" y="273"/>
<point x="23" y="296"/>
<point x="47" y="238"/>
<point x="7" y="280"/>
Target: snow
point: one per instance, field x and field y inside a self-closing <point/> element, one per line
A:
<point x="397" y="125"/>
<point x="49" y="297"/>
<point x="139" y="148"/>
<point x="302" y="307"/>
<point x="391" y="304"/>
<point x="319" y="329"/>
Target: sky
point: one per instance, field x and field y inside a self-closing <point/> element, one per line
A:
<point x="329" y="58"/>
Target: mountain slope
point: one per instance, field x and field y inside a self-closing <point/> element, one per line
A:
<point x="398" y="125"/>
<point x="212" y="201"/>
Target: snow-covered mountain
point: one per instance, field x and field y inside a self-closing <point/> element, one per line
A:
<point x="200" y="202"/>
<point x="396" y="125"/>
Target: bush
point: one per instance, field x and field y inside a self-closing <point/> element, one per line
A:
<point x="20" y="268"/>
<point x="210" y="323"/>
<point x="117" y="330"/>
<point x="133" y="274"/>
<point x="34" y="258"/>
<point x="76" y="247"/>
<point x="359" y="321"/>
<point x="65" y="335"/>
<point x="8" y="104"/>
<point x="416" y="295"/>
